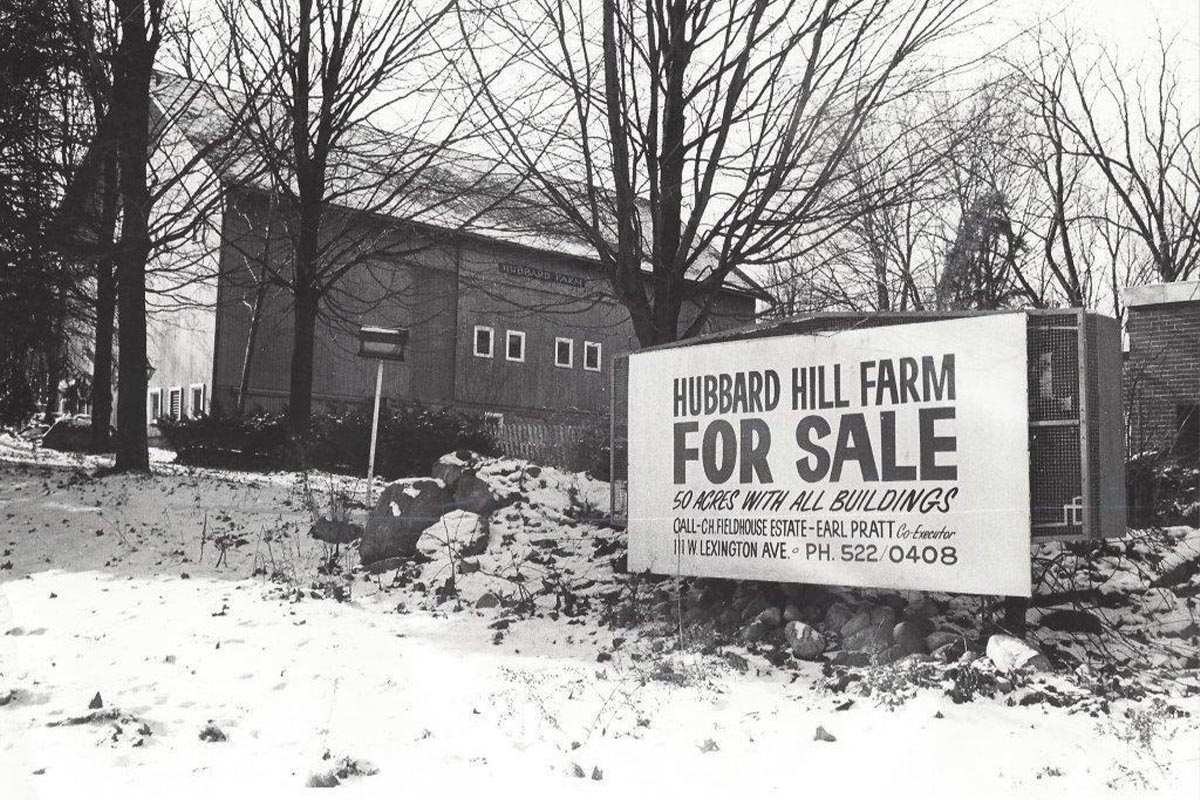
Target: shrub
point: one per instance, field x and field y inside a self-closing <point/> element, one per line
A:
<point x="1162" y="490"/>
<point x="411" y="439"/>
<point x="590" y="451"/>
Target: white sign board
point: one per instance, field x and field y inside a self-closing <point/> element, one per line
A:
<point x="886" y="457"/>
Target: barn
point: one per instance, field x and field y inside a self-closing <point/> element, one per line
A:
<point x="508" y="313"/>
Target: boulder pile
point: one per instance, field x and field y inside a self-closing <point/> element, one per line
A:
<point x="455" y="499"/>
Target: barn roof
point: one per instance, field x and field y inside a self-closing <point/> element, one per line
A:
<point x="391" y="175"/>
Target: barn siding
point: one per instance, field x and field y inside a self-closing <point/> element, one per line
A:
<point x="440" y="294"/>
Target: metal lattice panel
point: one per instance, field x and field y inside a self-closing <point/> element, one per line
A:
<point x="1055" y="489"/>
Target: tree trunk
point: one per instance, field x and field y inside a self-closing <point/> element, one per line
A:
<point x="300" y="387"/>
<point x="102" y="361"/>
<point x="106" y="306"/>
<point x="54" y="360"/>
<point x="131" y="99"/>
<point x="251" y="341"/>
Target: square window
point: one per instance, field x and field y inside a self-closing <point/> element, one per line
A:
<point x="483" y="341"/>
<point x="175" y="402"/>
<point x="591" y="356"/>
<point x="564" y="352"/>
<point x="196" y="400"/>
<point x="514" y="349"/>
<point x="155" y="404"/>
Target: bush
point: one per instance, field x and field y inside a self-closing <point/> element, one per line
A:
<point x="1162" y="491"/>
<point x="590" y="451"/>
<point x="411" y="439"/>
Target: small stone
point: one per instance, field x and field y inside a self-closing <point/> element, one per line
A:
<point x="577" y="771"/>
<point x="597" y="774"/>
<point x="950" y="652"/>
<point x="487" y="600"/>
<point x="939" y="639"/>
<point x="837" y="615"/>
<point x="870" y="631"/>
<point x="211" y="733"/>
<point x="823" y="735"/>
<point x="770" y="616"/>
<point x="791" y="613"/>
<point x="754" y="632"/>
<point x="1009" y="653"/>
<point x="96" y="702"/>
<point x="910" y="634"/>
<point x="1071" y="620"/>
<point x="806" y="642"/>
<point x="851" y="658"/>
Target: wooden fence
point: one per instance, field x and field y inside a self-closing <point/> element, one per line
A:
<point x="574" y="446"/>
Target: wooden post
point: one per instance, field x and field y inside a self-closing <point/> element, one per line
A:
<point x="374" y="434"/>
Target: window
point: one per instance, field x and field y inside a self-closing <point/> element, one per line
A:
<point x="196" y="400"/>
<point x="514" y="349"/>
<point x="175" y="402"/>
<point x="564" y="352"/>
<point x="591" y="356"/>
<point x="483" y="341"/>
<point x="155" y="404"/>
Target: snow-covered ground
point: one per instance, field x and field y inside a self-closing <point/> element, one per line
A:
<point x="112" y="586"/>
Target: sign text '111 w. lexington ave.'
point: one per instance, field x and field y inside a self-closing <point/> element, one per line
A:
<point x="887" y="457"/>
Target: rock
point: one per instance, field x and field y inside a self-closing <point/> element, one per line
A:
<point x="335" y="531"/>
<point x="386" y="564"/>
<point x="870" y="631"/>
<point x="96" y="702"/>
<point x="939" y="639"/>
<point x="450" y="467"/>
<point x="750" y="605"/>
<point x="487" y="600"/>
<point x="951" y="651"/>
<point x="597" y="774"/>
<point x="72" y="434"/>
<point x="471" y="493"/>
<point x="837" y="615"/>
<point x="823" y="735"/>
<point x="754" y="632"/>
<point x="922" y="608"/>
<point x="404" y="511"/>
<point x="851" y="658"/>
<point x="910" y="634"/>
<point x="1009" y="653"/>
<point x="211" y="733"/>
<point x="770" y="616"/>
<point x="465" y="533"/>
<point x="806" y="642"/>
<point x="1071" y="620"/>
<point x="791" y="613"/>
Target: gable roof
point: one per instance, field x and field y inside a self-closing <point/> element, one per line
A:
<point x="382" y="172"/>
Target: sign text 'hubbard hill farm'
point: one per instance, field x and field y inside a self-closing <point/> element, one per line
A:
<point x="887" y="457"/>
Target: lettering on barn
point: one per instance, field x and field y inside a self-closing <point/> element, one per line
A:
<point x="539" y="274"/>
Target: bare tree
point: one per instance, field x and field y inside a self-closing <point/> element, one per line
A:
<point x="1141" y="133"/>
<point x="691" y="138"/>
<point x="319" y="72"/>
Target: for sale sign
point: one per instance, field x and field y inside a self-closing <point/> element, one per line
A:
<point x="887" y="457"/>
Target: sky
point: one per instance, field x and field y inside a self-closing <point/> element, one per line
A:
<point x="1130" y="25"/>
